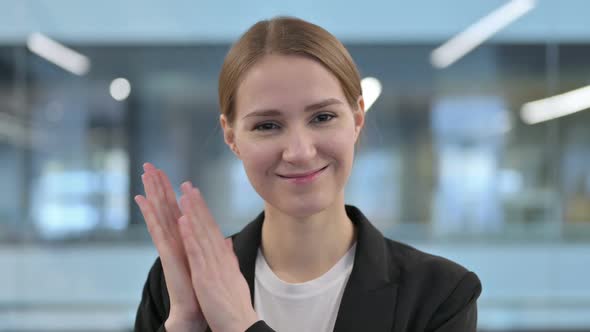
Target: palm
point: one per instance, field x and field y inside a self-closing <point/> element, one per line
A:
<point x="161" y="213"/>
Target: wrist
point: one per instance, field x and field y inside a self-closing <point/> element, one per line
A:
<point x="179" y="325"/>
<point x="250" y="320"/>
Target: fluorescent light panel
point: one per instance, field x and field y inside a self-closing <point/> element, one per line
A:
<point x="476" y="34"/>
<point x="557" y="106"/>
<point x="58" y="54"/>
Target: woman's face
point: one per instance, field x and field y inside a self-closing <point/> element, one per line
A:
<point x="295" y="133"/>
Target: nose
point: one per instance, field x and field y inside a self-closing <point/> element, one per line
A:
<point x="299" y="147"/>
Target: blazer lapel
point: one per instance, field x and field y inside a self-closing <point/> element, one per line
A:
<point x="246" y="244"/>
<point x="369" y="299"/>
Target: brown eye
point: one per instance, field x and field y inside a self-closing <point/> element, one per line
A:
<point x="324" y="117"/>
<point x="265" y="126"/>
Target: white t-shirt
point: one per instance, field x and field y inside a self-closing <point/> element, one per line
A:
<point x="309" y="306"/>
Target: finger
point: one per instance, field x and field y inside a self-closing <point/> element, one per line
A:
<point x="192" y="247"/>
<point x="148" y="167"/>
<point x="208" y="220"/>
<point x="159" y="235"/>
<point x="168" y="206"/>
<point x="169" y="194"/>
<point x="157" y="188"/>
<point x="205" y="225"/>
<point x="202" y="211"/>
<point x="166" y="242"/>
<point x="190" y="209"/>
<point x="174" y="264"/>
<point x="151" y="193"/>
<point x="150" y="175"/>
<point x="155" y="193"/>
<point x="197" y="229"/>
<point x="212" y="250"/>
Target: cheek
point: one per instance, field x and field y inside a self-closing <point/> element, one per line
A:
<point x="256" y="156"/>
<point x="340" y="145"/>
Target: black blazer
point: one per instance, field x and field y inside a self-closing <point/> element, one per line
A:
<point x="392" y="287"/>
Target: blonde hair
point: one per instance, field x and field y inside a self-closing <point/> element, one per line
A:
<point x="286" y="36"/>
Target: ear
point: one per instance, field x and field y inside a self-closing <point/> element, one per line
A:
<point x="359" y="117"/>
<point x="228" y="135"/>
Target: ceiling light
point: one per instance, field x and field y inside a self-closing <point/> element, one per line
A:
<point x="556" y="106"/>
<point x="476" y="34"/>
<point x="371" y="90"/>
<point x="58" y="54"/>
<point x="120" y="89"/>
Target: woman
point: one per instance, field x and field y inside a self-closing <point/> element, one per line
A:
<point x="292" y="111"/>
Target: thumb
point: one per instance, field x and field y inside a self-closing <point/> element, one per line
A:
<point x="229" y="243"/>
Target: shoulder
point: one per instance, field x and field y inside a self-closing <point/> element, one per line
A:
<point x="418" y="275"/>
<point x="425" y="267"/>
<point x="431" y="285"/>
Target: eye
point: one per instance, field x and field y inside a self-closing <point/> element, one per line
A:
<point x="265" y="126"/>
<point x="324" y="117"/>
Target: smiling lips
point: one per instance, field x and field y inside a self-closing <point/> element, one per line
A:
<point x="303" y="178"/>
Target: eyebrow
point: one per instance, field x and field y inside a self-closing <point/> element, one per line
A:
<point x="308" y="108"/>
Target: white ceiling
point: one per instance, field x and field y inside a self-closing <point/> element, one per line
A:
<point x="158" y="21"/>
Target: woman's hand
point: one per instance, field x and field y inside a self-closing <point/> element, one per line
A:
<point x="161" y="213"/>
<point x="220" y="286"/>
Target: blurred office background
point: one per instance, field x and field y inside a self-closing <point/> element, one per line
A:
<point x="455" y="157"/>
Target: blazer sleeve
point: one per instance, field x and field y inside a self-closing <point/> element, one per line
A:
<point x="151" y="313"/>
<point x="260" y="326"/>
<point x="458" y="312"/>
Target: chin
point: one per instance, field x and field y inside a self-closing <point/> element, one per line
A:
<point x="303" y="208"/>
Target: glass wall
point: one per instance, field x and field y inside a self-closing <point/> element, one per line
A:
<point x="449" y="149"/>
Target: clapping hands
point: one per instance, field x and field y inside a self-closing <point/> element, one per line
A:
<point x="202" y="272"/>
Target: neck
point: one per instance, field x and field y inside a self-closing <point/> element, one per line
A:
<point x="302" y="249"/>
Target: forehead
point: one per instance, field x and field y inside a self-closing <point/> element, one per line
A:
<point x="285" y="82"/>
